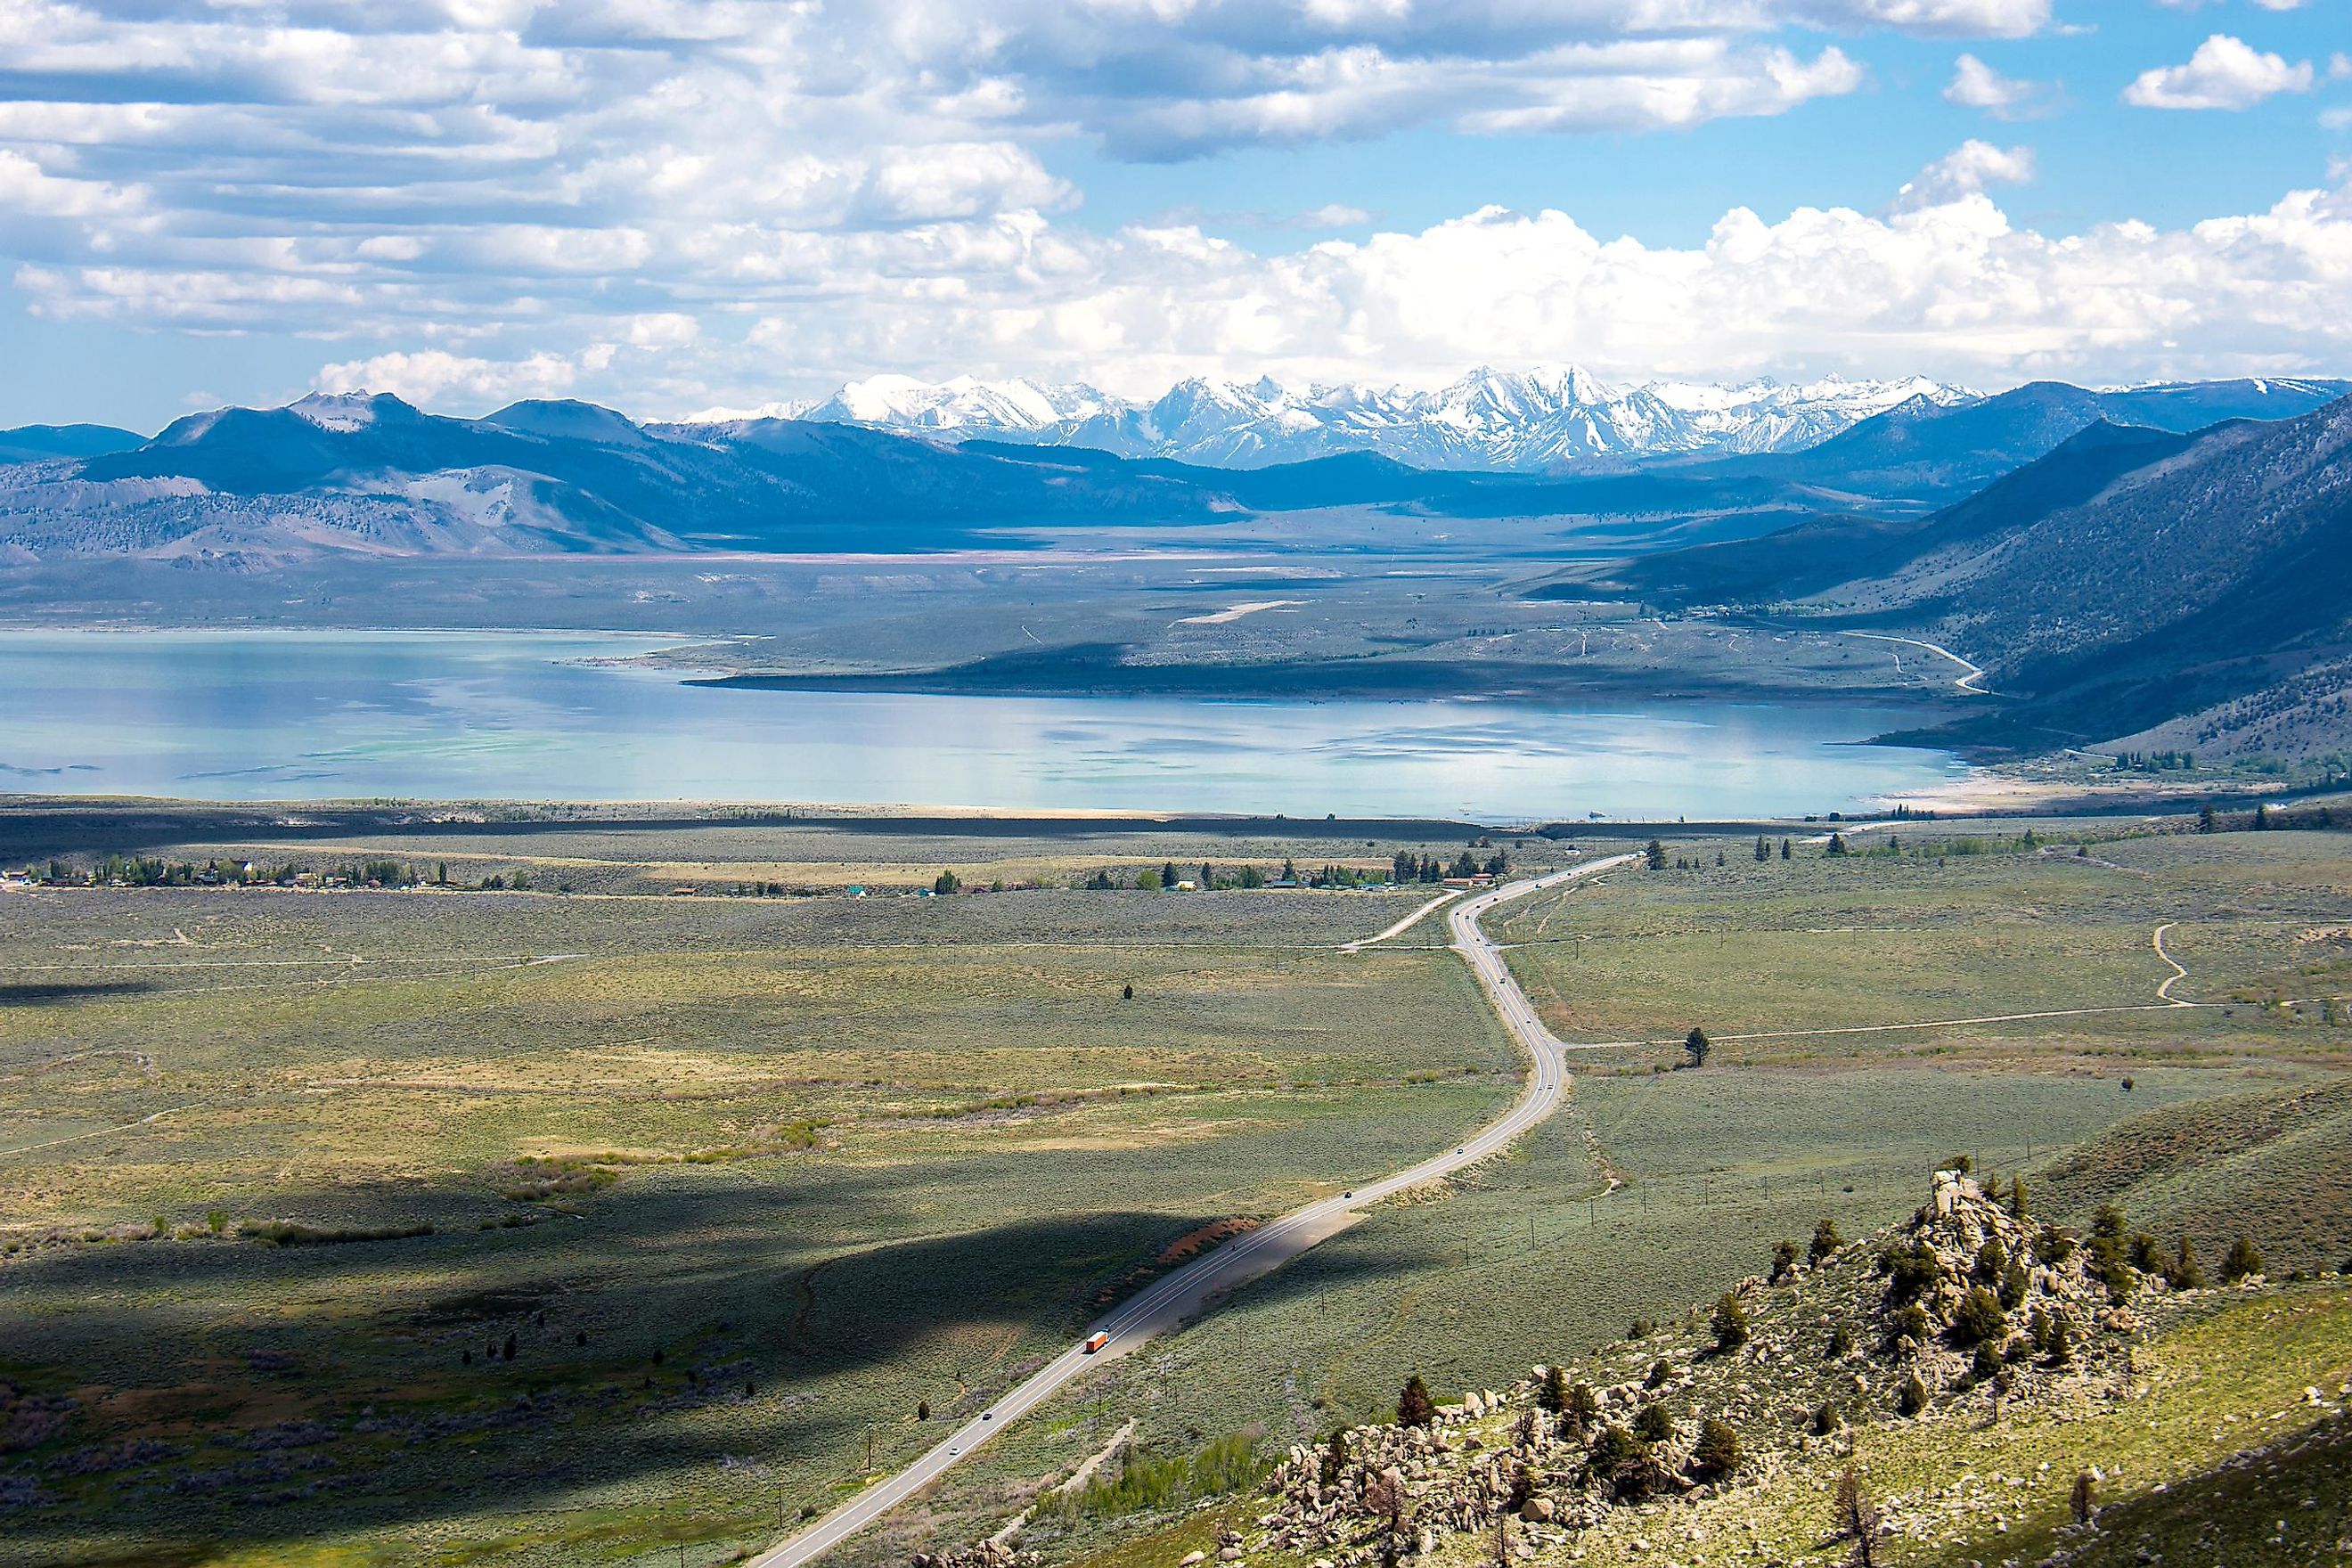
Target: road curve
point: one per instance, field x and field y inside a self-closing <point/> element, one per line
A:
<point x="1173" y="1297"/>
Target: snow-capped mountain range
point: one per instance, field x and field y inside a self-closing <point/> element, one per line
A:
<point x="1544" y="420"/>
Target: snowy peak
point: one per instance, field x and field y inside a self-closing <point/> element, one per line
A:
<point x="964" y="404"/>
<point x="345" y="412"/>
<point x="1545" y="418"/>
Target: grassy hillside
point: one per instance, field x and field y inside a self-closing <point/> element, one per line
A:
<point x="742" y="1181"/>
<point x="2207" y="1427"/>
<point x="831" y="1159"/>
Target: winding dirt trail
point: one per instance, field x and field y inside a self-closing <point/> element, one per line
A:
<point x="1200" y="1285"/>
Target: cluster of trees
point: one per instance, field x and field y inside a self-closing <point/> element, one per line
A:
<point x="148" y="871"/>
<point x="1146" y="1481"/>
<point x="1407" y="866"/>
<point x="1105" y="879"/>
<point x="2264" y="819"/>
<point x="1654" y="854"/>
<point x="2155" y="762"/>
<point x="1404" y="867"/>
<point x="144" y="871"/>
<point x="2121" y="1255"/>
<point x="1623" y="1459"/>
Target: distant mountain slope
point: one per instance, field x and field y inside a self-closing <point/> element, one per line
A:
<point x="1929" y="449"/>
<point x="1931" y="443"/>
<point x="2128" y="578"/>
<point x="374" y="475"/>
<point x="1563" y="420"/>
<point x="2215" y="570"/>
<point x="47" y="443"/>
<point x="1555" y="419"/>
<point x="2242" y="508"/>
<point x="1824" y="552"/>
<point x="2193" y="404"/>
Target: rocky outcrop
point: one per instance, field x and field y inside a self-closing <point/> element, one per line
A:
<point x="987" y="1555"/>
<point x="1968" y="1304"/>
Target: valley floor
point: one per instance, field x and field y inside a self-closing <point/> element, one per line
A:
<point x="746" y="1182"/>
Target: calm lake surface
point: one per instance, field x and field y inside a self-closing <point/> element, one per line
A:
<point x="428" y="715"/>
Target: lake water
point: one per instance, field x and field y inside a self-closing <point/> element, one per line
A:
<point x="337" y="715"/>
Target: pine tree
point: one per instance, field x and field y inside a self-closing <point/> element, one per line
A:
<point x="1763" y="848"/>
<point x="1656" y="853"/>
<point x="2243" y="1260"/>
<point x="1553" y="1397"/>
<point x="1858" y="1519"/>
<point x="1730" y="1321"/>
<point x="1414" y="1407"/>
<point x="1716" y="1453"/>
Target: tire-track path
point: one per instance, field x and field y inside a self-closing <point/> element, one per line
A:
<point x="1200" y="1285"/>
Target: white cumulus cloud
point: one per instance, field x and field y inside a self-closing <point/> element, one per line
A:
<point x="1966" y="171"/>
<point x="1976" y="85"/>
<point x="2224" y="73"/>
<point x="435" y="375"/>
<point x="1942" y="18"/>
<point x="1948" y="287"/>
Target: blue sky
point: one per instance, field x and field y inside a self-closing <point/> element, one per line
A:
<point x="668" y="205"/>
<point x="2099" y="159"/>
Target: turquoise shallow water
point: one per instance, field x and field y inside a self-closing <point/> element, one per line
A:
<point x="462" y="715"/>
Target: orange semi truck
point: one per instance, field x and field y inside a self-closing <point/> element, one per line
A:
<point x="1095" y="1341"/>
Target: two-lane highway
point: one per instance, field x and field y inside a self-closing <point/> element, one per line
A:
<point x="1173" y="1297"/>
